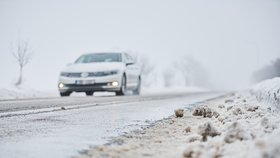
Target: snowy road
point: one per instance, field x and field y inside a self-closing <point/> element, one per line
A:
<point x="41" y="128"/>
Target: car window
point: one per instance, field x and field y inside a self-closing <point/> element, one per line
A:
<point x="99" y="57"/>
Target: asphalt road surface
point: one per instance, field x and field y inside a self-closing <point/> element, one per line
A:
<point x="63" y="127"/>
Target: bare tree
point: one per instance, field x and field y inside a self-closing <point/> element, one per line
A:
<point x="168" y="75"/>
<point x="144" y="63"/>
<point x="22" y="53"/>
<point x="194" y="73"/>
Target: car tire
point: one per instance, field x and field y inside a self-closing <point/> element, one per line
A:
<point x="138" y="88"/>
<point x="90" y="93"/>
<point x="123" y="87"/>
<point x="65" y="94"/>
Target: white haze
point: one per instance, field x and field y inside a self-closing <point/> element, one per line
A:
<point x="230" y="39"/>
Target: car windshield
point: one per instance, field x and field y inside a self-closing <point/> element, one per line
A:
<point x="99" y="57"/>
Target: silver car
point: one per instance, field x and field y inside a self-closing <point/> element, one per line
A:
<point x="112" y="71"/>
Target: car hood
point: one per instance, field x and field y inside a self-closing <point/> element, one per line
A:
<point x="94" y="67"/>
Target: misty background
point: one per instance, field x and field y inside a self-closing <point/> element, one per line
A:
<point x="225" y="42"/>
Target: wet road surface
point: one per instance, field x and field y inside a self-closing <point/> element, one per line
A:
<point x="33" y="128"/>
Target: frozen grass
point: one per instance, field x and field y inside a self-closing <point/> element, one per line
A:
<point x="268" y="91"/>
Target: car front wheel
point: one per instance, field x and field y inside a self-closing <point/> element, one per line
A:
<point x="65" y="94"/>
<point x="138" y="88"/>
<point x="123" y="87"/>
<point x="89" y="93"/>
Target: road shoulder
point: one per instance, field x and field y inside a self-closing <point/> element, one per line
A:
<point x="233" y="126"/>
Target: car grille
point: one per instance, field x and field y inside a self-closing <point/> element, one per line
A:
<point x="73" y="75"/>
<point x="90" y="74"/>
<point x="87" y="85"/>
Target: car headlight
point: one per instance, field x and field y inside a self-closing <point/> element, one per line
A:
<point x="61" y="85"/>
<point x="115" y="83"/>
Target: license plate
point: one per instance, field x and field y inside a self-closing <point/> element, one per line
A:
<point x="84" y="82"/>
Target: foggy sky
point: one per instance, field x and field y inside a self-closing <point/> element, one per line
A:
<point x="230" y="38"/>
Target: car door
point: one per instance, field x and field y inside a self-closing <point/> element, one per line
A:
<point x="131" y="69"/>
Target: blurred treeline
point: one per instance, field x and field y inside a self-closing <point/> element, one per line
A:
<point x="267" y="72"/>
<point x="186" y="71"/>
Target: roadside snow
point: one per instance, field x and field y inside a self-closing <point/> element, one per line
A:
<point x="268" y="91"/>
<point x="24" y="92"/>
<point x="238" y="125"/>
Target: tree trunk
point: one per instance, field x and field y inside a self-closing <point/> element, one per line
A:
<point x="20" y="77"/>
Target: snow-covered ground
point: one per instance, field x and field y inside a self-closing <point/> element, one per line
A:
<point x="172" y="90"/>
<point x="41" y="128"/>
<point x="25" y="92"/>
<point x="268" y="91"/>
<point x="238" y="125"/>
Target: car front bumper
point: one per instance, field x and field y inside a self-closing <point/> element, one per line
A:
<point x="89" y="84"/>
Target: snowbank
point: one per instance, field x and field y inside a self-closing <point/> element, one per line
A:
<point x="234" y="126"/>
<point x="268" y="91"/>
